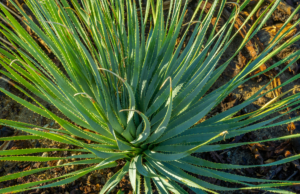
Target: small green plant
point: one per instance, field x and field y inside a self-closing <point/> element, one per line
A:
<point x="137" y="91"/>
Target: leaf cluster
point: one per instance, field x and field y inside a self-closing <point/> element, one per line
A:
<point x="137" y="90"/>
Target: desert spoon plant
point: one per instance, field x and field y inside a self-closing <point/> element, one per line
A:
<point x="137" y="90"/>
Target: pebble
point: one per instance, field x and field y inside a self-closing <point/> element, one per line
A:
<point x="67" y="168"/>
<point x="4" y="84"/>
<point x="102" y="181"/>
<point x="90" y="177"/>
<point x="37" y="144"/>
<point x="60" y="162"/>
<point x="45" y="154"/>
<point x="6" y="132"/>
<point x="263" y="100"/>
<point x="52" y="123"/>
<point x="67" y="192"/>
<point x="228" y="154"/>
<point x="75" y="191"/>
<point x="245" y="162"/>
<point x="109" y="175"/>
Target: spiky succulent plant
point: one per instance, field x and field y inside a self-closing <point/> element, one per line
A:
<point x="136" y="89"/>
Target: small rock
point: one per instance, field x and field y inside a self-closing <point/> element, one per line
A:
<point x="67" y="168"/>
<point x="229" y="102"/>
<point x="229" y="154"/>
<point x="110" y="174"/>
<point x="102" y="181"/>
<point x="37" y="144"/>
<point x="60" y="162"/>
<point x="37" y="165"/>
<point x="4" y="84"/>
<point x="6" y="132"/>
<point x="67" y="192"/>
<point x="75" y="191"/>
<point x="263" y="100"/>
<point x="90" y="177"/>
<point x="290" y="2"/>
<point x="33" y="141"/>
<point x="45" y="154"/>
<point x="51" y="124"/>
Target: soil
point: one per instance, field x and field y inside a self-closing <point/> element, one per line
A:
<point x="245" y="155"/>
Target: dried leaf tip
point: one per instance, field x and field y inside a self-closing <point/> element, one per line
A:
<point x="13" y="61"/>
<point x="6" y="80"/>
<point x="238" y="10"/>
<point x="130" y="110"/>
<point x="49" y="22"/>
<point x="86" y="95"/>
<point x="169" y="78"/>
<point x="102" y="69"/>
<point x="224" y="133"/>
